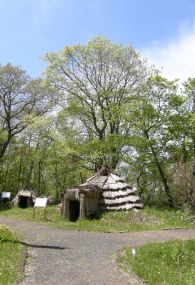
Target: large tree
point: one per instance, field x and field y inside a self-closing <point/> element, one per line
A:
<point x="21" y="101"/>
<point x="96" y="81"/>
<point x="189" y="132"/>
<point x="150" y="117"/>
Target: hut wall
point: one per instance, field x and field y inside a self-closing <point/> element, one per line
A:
<point x="88" y="204"/>
<point x="92" y="204"/>
<point x="24" y="199"/>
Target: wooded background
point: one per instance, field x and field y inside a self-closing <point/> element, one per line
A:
<point x="99" y="103"/>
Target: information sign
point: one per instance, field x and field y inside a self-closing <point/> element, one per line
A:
<point x="5" y="195"/>
<point x="40" y="202"/>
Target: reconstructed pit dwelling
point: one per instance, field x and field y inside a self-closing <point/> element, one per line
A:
<point x="104" y="191"/>
<point x="24" y="199"/>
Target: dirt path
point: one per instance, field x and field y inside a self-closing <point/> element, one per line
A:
<point x="59" y="256"/>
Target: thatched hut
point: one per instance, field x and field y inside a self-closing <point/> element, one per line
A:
<point x="24" y="199"/>
<point x="103" y="191"/>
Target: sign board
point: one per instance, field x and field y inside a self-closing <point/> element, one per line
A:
<point x="5" y="195"/>
<point x="40" y="202"/>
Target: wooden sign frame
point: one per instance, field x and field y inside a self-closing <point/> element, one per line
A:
<point x="40" y="203"/>
<point x="5" y="195"/>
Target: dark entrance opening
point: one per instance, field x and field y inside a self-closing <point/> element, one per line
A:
<point x="23" y="202"/>
<point x="74" y="208"/>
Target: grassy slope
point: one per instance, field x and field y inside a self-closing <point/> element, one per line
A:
<point x="168" y="263"/>
<point x="146" y="219"/>
<point x="11" y="254"/>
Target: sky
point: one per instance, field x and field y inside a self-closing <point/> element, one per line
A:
<point x="163" y="31"/>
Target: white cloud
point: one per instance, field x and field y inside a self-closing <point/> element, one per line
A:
<point x="176" y="56"/>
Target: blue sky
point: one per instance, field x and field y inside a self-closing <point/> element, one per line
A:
<point x="163" y="31"/>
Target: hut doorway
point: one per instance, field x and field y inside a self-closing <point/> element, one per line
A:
<point x="23" y="202"/>
<point x="74" y="208"/>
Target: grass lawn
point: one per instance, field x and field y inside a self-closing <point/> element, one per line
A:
<point x="169" y="263"/>
<point x="126" y="221"/>
<point x="11" y="256"/>
<point x="156" y="264"/>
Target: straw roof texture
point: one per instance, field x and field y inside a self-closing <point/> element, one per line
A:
<point x="26" y="193"/>
<point x="115" y="193"/>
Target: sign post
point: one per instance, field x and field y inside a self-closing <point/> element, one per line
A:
<point x="40" y="203"/>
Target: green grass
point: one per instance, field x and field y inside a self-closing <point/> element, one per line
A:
<point x="147" y="262"/>
<point x="168" y="263"/>
<point x="11" y="255"/>
<point x="126" y="221"/>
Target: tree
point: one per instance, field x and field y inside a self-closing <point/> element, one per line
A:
<point x="21" y="100"/>
<point x="96" y="81"/>
<point x="149" y="118"/>
<point x="189" y="90"/>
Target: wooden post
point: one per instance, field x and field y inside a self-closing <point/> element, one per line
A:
<point x="82" y="206"/>
<point x="66" y="210"/>
<point x="45" y="214"/>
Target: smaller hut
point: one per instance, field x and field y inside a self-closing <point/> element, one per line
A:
<point x="24" y="199"/>
<point x="104" y="191"/>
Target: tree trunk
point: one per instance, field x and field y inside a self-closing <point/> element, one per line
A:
<point x="3" y="147"/>
<point x="193" y="163"/>
<point x="28" y="184"/>
<point x="20" y="169"/>
<point x="193" y="183"/>
<point x="6" y="175"/>
<point x="39" y="178"/>
<point x="165" y="183"/>
<point x="114" y="157"/>
<point x="161" y="172"/>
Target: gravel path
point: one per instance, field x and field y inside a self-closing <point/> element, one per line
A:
<point x="57" y="256"/>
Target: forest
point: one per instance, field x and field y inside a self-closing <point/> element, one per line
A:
<point x="98" y="104"/>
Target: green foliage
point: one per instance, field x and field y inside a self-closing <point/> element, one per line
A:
<point x="108" y="107"/>
<point x="99" y="79"/>
<point x="167" y="263"/>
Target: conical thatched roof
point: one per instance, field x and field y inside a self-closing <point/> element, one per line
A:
<point x="115" y="193"/>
